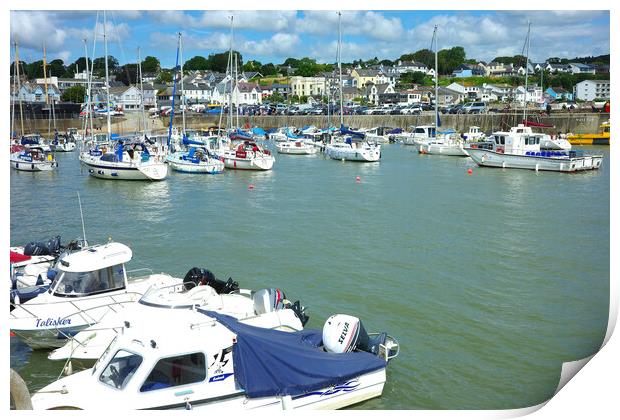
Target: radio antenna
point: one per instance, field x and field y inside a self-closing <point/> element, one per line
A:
<point x="82" y="217"/>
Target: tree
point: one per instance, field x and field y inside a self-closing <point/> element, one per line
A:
<point x="197" y="63"/>
<point x="74" y="94"/>
<point x="410" y="78"/>
<point x="252" y="65"/>
<point x="128" y="74"/>
<point x="99" y="66"/>
<point x="450" y="59"/>
<point x="268" y="69"/>
<point x="150" y="64"/>
<point x="56" y="68"/>
<point x="164" y="76"/>
<point x="219" y="62"/>
<point x="292" y="62"/>
<point x="274" y="98"/>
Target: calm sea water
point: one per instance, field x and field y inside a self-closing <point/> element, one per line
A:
<point x="490" y="281"/>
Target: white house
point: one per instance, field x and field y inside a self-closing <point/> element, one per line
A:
<point x="197" y="92"/>
<point x="248" y="94"/>
<point x="34" y="92"/>
<point x="308" y="86"/>
<point x="126" y="97"/>
<point x="470" y="90"/>
<point x="534" y="94"/>
<point x="590" y="90"/>
<point x="501" y="91"/>
<point x="375" y="90"/>
<point x="581" y="68"/>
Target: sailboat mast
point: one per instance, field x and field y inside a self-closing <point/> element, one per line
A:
<point x="340" y="66"/>
<point x="90" y="75"/>
<point x="105" y="46"/>
<point x="13" y="99"/>
<point x="88" y="106"/>
<point x="174" y="91"/>
<point x="236" y="84"/>
<point x="49" y="119"/>
<point x="141" y="93"/>
<point x="527" y="60"/>
<point x="436" y="82"/>
<point x="182" y="89"/>
<point x="230" y="68"/>
<point x="19" y="88"/>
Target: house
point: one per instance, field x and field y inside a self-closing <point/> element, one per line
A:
<point x="197" y="92"/>
<point x="363" y="76"/>
<point x="534" y="94"/>
<point x="308" y="86"/>
<point x="413" y="96"/>
<point x="469" y="70"/>
<point x="126" y="97"/>
<point x="64" y="83"/>
<point x="559" y="93"/>
<point x="349" y="93"/>
<point x="557" y="68"/>
<point x="448" y="96"/>
<point x="530" y="69"/>
<point x="247" y="94"/>
<point x="501" y="91"/>
<point x="590" y="90"/>
<point x="576" y="68"/>
<point x="376" y="91"/>
<point x="149" y="92"/>
<point x="410" y="66"/>
<point x="35" y="92"/>
<point x="281" y="88"/>
<point x="249" y="75"/>
<point x="470" y="90"/>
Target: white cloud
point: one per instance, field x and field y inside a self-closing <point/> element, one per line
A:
<point x="257" y="20"/>
<point x="280" y="44"/>
<point x="33" y="29"/>
<point x="367" y="23"/>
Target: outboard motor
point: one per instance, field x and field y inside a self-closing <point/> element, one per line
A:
<point x="269" y="300"/>
<point x="201" y="276"/>
<point x="346" y="333"/>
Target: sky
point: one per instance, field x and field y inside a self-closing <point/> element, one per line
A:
<point x="272" y="36"/>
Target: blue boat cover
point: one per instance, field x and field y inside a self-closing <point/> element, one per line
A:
<point x="344" y="130"/>
<point x="258" y="131"/>
<point x="188" y="141"/>
<point x="449" y="131"/>
<point x="276" y="363"/>
<point x="395" y="131"/>
<point x="290" y="135"/>
<point x="239" y="134"/>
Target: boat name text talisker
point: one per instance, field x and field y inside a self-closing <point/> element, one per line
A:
<point x="49" y="322"/>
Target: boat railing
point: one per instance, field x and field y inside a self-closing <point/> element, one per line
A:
<point x="148" y="270"/>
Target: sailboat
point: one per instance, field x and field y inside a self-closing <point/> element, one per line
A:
<point x="350" y="145"/>
<point x="194" y="156"/>
<point x="244" y="153"/>
<point x="31" y="156"/>
<point x="127" y="159"/>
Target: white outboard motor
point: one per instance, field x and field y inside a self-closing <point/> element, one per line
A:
<point x="346" y="333"/>
<point x="268" y="300"/>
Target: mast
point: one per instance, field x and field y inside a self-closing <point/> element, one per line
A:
<point x="49" y="120"/>
<point x="236" y="84"/>
<point x="105" y="46"/>
<point x="13" y="101"/>
<point x="436" y="82"/>
<point x="89" y="116"/>
<point x="174" y="91"/>
<point x="19" y="88"/>
<point x="141" y="93"/>
<point x="527" y="59"/>
<point x="340" y="67"/>
<point x="230" y="70"/>
<point x="182" y="91"/>
<point x="90" y="75"/>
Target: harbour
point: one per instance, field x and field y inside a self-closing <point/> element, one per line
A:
<point x="487" y="296"/>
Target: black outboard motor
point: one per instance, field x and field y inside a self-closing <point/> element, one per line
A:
<point x="51" y="247"/>
<point x="201" y="276"/>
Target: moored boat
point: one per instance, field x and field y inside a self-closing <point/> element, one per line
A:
<point x="33" y="159"/>
<point x="601" y="138"/>
<point x="248" y="156"/>
<point x="195" y="160"/>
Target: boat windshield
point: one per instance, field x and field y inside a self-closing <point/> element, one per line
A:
<point x="121" y="368"/>
<point x="104" y="354"/>
<point x="89" y="282"/>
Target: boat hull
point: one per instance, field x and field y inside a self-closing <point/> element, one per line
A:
<point x="64" y="147"/>
<point x="288" y="149"/>
<point x="33" y="166"/>
<point x="156" y="171"/>
<point x="493" y="159"/>
<point x="263" y="163"/>
<point x="351" y="154"/>
<point x="441" y="149"/>
<point x="213" y="166"/>
<point x="589" y="139"/>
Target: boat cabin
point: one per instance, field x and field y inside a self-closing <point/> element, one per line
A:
<point x="425" y="131"/>
<point x="519" y="140"/>
<point x="94" y="270"/>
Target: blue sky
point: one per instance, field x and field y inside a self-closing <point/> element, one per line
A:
<point x="272" y="36"/>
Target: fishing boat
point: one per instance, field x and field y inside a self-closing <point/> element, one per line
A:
<point x="601" y="138"/>
<point x="199" y="359"/>
<point x="520" y="148"/>
<point x="474" y="133"/>
<point x="268" y="308"/>
<point x="195" y="160"/>
<point x="128" y="161"/>
<point x="249" y="156"/>
<point x="33" y="159"/>
<point x="88" y="285"/>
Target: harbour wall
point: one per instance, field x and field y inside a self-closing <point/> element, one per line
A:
<point x="564" y="122"/>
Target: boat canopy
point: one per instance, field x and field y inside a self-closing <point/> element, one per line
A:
<point x="188" y="141"/>
<point x="291" y="135"/>
<point x="344" y="130"/>
<point x="276" y="363"/>
<point x="258" y="131"/>
<point x="96" y="257"/>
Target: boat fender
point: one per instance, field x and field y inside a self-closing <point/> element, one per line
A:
<point x="19" y="392"/>
<point x="32" y="166"/>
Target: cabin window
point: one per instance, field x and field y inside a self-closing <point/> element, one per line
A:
<point x="419" y="130"/>
<point x="120" y="369"/>
<point x="90" y="282"/>
<point x="174" y="371"/>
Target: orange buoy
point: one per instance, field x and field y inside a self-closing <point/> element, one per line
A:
<point x="469" y="171"/>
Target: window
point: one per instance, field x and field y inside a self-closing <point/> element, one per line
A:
<point x="175" y="371"/>
<point x="89" y="282"/>
<point x="121" y="368"/>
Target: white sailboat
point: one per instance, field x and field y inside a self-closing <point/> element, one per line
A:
<point x="350" y="145"/>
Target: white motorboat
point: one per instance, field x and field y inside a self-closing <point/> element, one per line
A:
<point x="198" y="359"/>
<point x="280" y="134"/>
<point x="33" y="159"/>
<point x="131" y="161"/>
<point x="353" y="146"/>
<point x="450" y="147"/>
<point x="266" y="307"/>
<point x="62" y="144"/>
<point x="473" y="134"/>
<point x="195" y="160"/>
<point x="73" y="133"/>
<point x="520" y="148"/>
<point x="378" y="134"/>
<point x="248" y="156"/>
<point x="419" y="135"/>
<point x="296" y="147"/>
<point x="88" y="285"/>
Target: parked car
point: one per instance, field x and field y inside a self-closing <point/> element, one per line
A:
<point x="454" y="109"/>
<point x="411" y="110"/>
<point x="473" y="108"/>
<point x="427" y="106"/>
